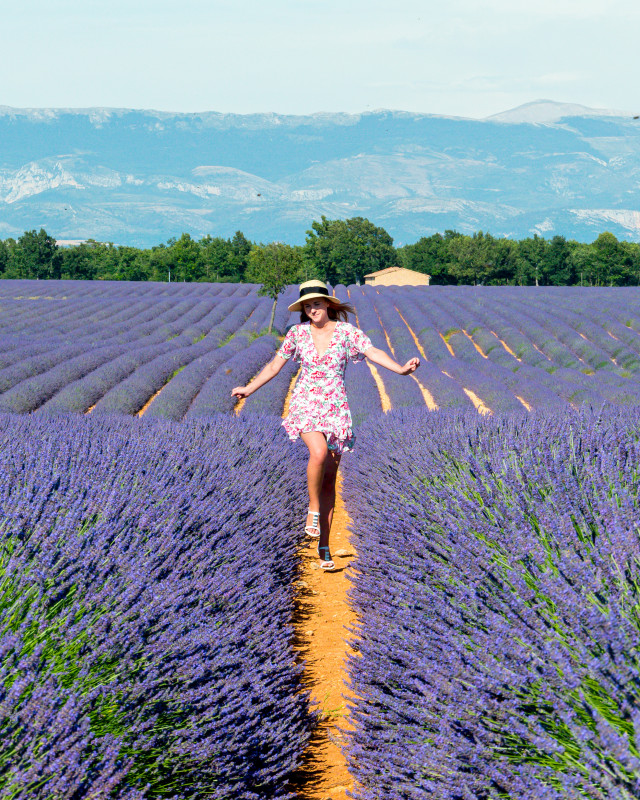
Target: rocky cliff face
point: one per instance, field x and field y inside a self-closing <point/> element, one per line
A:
<point x="139" y="177"/>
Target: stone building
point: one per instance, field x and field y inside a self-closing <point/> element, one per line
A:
<point x="397" y="276"/>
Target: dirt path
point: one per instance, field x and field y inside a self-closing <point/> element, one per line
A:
<point x="323" y="619"/>
<point x="150" y="400"/>
<point x="428" y="397"/>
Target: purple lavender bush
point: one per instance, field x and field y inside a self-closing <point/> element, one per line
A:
<point x="271" y="397"/>
<point x="497" y="593"/>
<point x="402" y="391"/>
<point x="215" y="395"/>
<point x="174" y="400"/>
<point x="145" y="614"/>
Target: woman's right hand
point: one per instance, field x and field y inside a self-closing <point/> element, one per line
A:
<point x="240" y="391"/>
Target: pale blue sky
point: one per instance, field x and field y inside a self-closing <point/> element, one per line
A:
<point x="458" y="57"/>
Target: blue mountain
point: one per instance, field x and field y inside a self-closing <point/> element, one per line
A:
<point x="139" y="177"/>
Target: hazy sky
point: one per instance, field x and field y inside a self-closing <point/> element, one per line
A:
<point x="459" y="57"/>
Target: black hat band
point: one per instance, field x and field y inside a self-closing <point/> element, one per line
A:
<point x="314" y="290"/>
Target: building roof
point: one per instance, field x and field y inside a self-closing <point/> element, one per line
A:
<point x="394" y="269"/>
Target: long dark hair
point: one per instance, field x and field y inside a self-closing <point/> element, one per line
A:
<point x="335" y="310"/>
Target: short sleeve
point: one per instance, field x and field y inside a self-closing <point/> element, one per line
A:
<point x="357" y="343"/>
<point x="290" y="343"/>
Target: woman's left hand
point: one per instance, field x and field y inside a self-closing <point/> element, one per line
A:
<point x="411" y="366"/>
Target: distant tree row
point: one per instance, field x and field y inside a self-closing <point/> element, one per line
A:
<point x="338" y="251"/>
<point x="454" y="258"/>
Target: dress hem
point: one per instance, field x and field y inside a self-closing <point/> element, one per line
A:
<point x="343" y="445"/>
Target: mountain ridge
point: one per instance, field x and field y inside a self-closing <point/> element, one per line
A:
<point x="141" y="176"/>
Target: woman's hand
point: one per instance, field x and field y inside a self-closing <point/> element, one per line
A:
<point x="240" y="391"/>
<point x="411" y="366"/>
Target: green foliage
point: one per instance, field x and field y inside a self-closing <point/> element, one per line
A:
<point x="344" y="251"/>
<point x="338" y="251"/>
<point x="34" y="255"/>
<point x="275" y="266"/>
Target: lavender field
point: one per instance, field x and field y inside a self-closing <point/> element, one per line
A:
<point x="176" y="350"/>
<point x="147" y="593"/>
<point x="150" y="545"/>
<point x="498" y="592"/>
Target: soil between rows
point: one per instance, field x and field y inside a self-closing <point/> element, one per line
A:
<point x="323" y="619"/>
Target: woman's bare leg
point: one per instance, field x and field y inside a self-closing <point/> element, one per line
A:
<point x="328" y="495"/>
<point x="318" y="450"/>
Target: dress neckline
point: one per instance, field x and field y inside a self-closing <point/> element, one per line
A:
<point x="330" y="341"/>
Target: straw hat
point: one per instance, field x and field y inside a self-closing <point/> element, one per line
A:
<point x="309" y="290"/>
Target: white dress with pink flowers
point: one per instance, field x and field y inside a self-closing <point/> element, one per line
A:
<point x="319" y="400"/>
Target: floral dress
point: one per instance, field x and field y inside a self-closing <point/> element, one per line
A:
<point x="319" y="400"/>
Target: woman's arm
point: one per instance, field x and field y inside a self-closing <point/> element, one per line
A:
<point x="380" y="357"/>
<point x="264" y="376"/>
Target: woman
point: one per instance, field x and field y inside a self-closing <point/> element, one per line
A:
<point x="319" y="413"/>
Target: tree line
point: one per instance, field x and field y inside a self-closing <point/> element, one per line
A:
<point x="338" y="251"/>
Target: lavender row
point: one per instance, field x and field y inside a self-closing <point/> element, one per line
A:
<point x="127" y="395"/>
<point x="270" y="399"/>
<point x="103" y="314"/>
<point x="31" y="393"/>
<point x="82" y="394"/>
<point x="146" y="631"/>
<point x="515" y="328"/>
<point x="402" y="391"/>
<point x="215" y="395"/>
<point x="501" y="658"/>
<point x="586" y="351"/>
<point x="413" y="308"/>
<point x="361" y="388"/>
<point x="175" y="398"/>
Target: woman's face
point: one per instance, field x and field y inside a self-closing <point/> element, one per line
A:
<point x="316" y="309"/>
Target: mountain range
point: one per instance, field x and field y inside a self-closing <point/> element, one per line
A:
<point x="139" y="176"/>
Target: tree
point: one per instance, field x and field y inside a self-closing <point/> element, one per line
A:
<point x="218" y="260"/>
<point x="275" y="266"/>
<point x="184" y="256"/>
<point x="343" y="251"/>
<point x="556" y="268"/>
<point x="613" y="263"/>
<point x="79" y="263"/>
<point x="531" y="254"/>
<point x="429" y="256"/>
<point x="240" y="249"/>
<point x="37" y="255"/>
<point x="468" y="262"/>
<point x="4" y="257"/>
<point x="130" y="263"/>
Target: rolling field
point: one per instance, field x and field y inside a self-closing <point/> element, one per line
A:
<point x="151" y="579"/>
<point x="173" y="350"/>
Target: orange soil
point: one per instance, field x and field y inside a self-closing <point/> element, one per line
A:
<point x="480" y="406"/>
<point x="384" y="397"/>
<point x="149" y="401"/>
<point x="448" y="346"/>
<point x="428" y="397"/>
<point x="414" y="337"/>
<point x="506" y="346"/>
<point x="323" y="619"/>
<point x="287" y="401"/>
<point x="473" y="342"/>
<point x="524" y="402"/>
